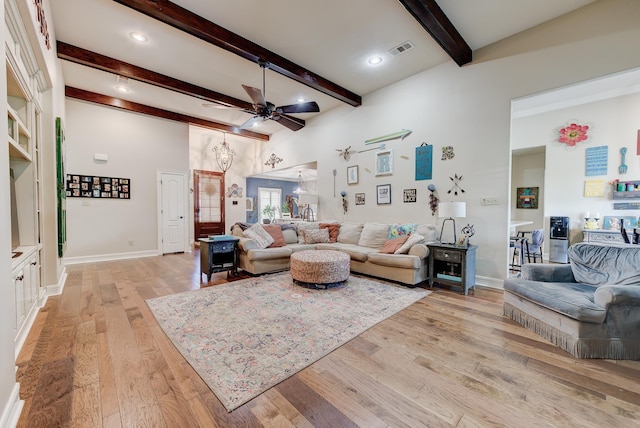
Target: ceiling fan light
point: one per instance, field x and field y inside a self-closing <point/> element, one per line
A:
<point x="123" y="88"/>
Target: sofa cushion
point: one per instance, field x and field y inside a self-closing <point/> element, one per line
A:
<point x="605" y="264"/>
<point x="428" y="231"/>
<point x="374" y="235"/>
<point x="414" y="238"/>
<point x="269" y="253"/>
<point x="572" y="299"/>
<point x="334" y="228"/>
<point x="314" y="236"/>
<point x="258" y="234"/>
<point x="275" y="230"/>
<point x="398" y="229"/>
<point x="356" y="252"/>
<point x="349" y="233"/>
<point x="302" y="226"/>
<point x="392" y="245"/>
<point x="404" y="261"/>
<point x="290" y="236"/>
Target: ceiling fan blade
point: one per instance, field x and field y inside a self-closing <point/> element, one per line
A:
<point x="249" y="123"/>
<point x="256" y="95"/>
<point x="308" y="107"/>
<point x="221" y="106"/>
<point x="293" y="123"/>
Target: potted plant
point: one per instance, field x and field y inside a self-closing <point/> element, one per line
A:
<point x="285" y="210"/>
<point x="268" y="213"/>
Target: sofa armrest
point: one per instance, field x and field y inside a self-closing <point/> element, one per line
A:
<point x="607" y="295"/>
<point x="246" y="244"/>
<point x="547" y="272"/>
<point x="420" y="250"/>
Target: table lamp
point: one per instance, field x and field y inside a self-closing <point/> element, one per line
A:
<point x="451" y="210"/>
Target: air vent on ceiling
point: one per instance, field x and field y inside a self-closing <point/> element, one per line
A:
<point x="401" y="48"/>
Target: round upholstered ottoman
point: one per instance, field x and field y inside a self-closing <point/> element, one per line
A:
<point x="319" y="268"/>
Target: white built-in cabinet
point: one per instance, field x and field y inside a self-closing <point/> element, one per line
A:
<point x="23" y="118"/>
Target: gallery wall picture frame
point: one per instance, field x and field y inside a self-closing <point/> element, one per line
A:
<point x="93" y="186"/>
<point x="359" y="198"/>
<point x="527" y="197"/>
<point x="409" y="195"/>
<point x="384" y="162"/>
<point x="352" y="174"/>
<point x="383" y="194"/>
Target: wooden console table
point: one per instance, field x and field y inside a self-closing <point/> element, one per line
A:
<point x="452" y="265"/>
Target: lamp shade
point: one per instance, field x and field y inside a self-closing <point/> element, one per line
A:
<point x="452" y="209"/>
<point x="308" y="199"/>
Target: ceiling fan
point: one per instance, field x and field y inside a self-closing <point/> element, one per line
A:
<point x="265" y="110"/>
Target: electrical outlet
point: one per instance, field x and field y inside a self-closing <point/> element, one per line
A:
<point x="490" y="201"/>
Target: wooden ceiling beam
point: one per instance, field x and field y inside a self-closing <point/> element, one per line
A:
<point x="184" y="20"/>
<point x="100" y="62"/>
<point x="437" y="24"/>
<point x="105" y="100"/>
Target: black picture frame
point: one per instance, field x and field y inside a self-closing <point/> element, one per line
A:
<point x="383" y="194"/>
<point x="93" y="186"/>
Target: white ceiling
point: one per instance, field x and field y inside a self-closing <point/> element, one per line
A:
<point x="332" y="38"/>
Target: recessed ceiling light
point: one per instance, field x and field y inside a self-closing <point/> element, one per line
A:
<point x="375" y="60"/>
<point x="123" y="88"/>
<point x="301" y="99"/>
<point x="138" y="36"/>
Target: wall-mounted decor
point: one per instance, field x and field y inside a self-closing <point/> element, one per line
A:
<point x="622" y="169"/>
<point x="61" y="194"/>
<point x="527" y="197"/>
<point x="273" y="160"/>
<point x="573" y="134"/>
<point x="384" y="162"/>
<point x="424" y="162"/>
<point x="456" y="179"/>
<point x="399" y="134"/>
<point x="234" y="191"/>
<point x="409" y="195"/>
<point x="248" y="203"/>
<point x="359" y="198"/>
<point x="345" y="153"/>
<point x="345" y="202"/>
<point x="593" y="188"/>
<point x="613" y="223"/>
<point x="383" y="194"/>
<point x="352" y="174"/>
<point x="596" y="159"/>
<point x="92" y="186"/>
<point x="433" y="199"/>
<point x="447" y="153"/>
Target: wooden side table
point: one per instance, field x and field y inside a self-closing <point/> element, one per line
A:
<point x="452" y="265"/>
<point x="217" y="254"/>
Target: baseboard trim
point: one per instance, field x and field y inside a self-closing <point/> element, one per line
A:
<point x="13" y="408"/>
<point x="489" y="282"/>
<point x="109" y="257"/>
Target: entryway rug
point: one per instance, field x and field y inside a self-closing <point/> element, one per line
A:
<point x="246" y="336"/>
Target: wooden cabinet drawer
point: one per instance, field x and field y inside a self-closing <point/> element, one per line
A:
<point x="223" y="247"/>
<point x="452" y="256"/>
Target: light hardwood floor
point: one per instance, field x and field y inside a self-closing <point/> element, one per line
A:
<point x="96" y="357"/>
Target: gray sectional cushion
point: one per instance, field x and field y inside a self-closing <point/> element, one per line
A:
<point x="605" y="264"/>
<point x="572" y="299"/>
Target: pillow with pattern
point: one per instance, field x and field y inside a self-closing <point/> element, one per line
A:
<point x="397" y="229"/>
<point x="413" y="239"/>
<point x="316" y="236"/>
<point x="258" y="234"/>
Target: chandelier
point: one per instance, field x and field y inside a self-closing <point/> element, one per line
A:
<point x="301" y="186"/>
<point x="224" y="154"/>
<point x="273" y="160"/>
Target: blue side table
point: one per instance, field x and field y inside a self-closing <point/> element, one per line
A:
<point x="217" y="254"/>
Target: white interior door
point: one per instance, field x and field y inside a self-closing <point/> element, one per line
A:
<point x="173" y="212"/>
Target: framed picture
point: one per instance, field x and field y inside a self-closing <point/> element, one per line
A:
<point x="384" y="162"/>
<point x="383" y="193"/>
<point x="352" y="174"/>
<point x="409" y="195"/>
<point x="613" y="223"/>
<point x="359" y="198"/>
<point x="527" y="197"/>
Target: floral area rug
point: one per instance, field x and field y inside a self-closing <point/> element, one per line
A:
<point x="246" y="336"/>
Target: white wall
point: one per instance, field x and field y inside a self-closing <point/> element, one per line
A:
<point x="613" y="123"/>
<point x="137" y="146"/>
<point x="468" y="108"/>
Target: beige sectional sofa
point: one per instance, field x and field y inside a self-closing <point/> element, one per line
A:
<point x="362" y="241"/>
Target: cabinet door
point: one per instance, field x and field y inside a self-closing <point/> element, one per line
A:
<point x="18" y="283"/>
<point x="30" y="284"/>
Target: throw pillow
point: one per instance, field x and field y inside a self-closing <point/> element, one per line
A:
<point x="401" y="229"/>
<point x="374" y="235"/>
<point x="316" y="236"/>
<point x="392" y="245"/>
<point x="413" y="239"/>
<point x="275" y="230"/>
<point x="349" y="233"/>
<point x="258" y="234"/>
<point x="302" y="226"/>
<point x="334" y="228"/>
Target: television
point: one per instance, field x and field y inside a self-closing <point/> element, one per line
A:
<point x="15" y="231"/>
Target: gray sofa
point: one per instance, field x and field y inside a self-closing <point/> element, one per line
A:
<point x="590" y="307"/>
<point x="362" y="241"/>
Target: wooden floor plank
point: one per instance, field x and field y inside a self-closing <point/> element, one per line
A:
<point x="96" y="356"/>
